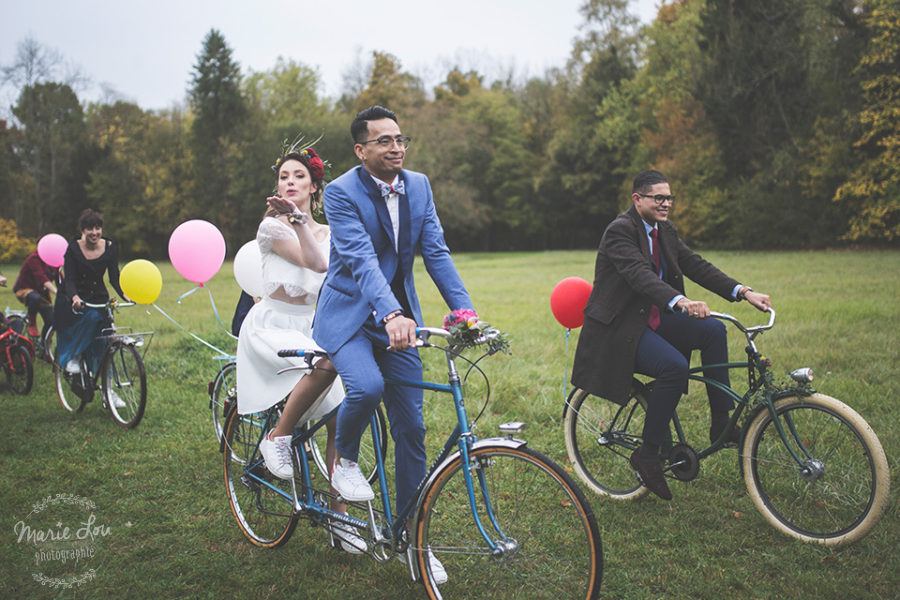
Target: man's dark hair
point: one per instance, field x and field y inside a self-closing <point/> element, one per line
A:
<point x="89" y="219"/>
<point x="359" y="129"/>
<point x="647" y="179"/>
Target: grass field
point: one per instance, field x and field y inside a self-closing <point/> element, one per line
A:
<point x="162" y="527"/>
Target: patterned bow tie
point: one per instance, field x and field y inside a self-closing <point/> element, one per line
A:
<point x="387" y="190"/>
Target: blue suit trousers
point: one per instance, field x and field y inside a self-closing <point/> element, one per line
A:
<point x="665" y="354"/>
<point x="363" y="362"/>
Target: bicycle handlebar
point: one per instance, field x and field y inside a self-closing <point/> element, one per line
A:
<point x="108" y="303"/>
<point x="739" y="325"/>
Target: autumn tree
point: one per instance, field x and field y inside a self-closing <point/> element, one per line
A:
<point x="873" y="188"/>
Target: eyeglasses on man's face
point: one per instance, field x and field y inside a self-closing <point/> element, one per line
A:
<point x="387" y="141"/>
<point x="659" y="198"/>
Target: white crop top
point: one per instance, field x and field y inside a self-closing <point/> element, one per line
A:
<point x="277" y="272"/>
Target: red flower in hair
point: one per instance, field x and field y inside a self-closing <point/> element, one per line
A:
<point x="316" y="167"/>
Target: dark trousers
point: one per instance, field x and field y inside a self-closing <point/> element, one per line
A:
<point x="665" y="355"/>
<point x="35" y="304"/>
<point x="363" y="363"/>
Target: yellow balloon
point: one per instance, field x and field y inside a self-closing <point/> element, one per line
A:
<point x="141" y="281"/>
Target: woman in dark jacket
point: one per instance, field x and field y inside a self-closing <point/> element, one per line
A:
<point x="87" y="258"/>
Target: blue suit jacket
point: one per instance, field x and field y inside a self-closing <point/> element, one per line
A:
<point x="363" y="261"/>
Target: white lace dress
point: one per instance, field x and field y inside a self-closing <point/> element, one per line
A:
<point x="273" y="325"/>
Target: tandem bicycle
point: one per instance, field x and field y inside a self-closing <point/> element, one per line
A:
<point x="505" y="520"/>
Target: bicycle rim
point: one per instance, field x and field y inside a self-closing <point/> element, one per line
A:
<point x="71" y="401"/>
<point x="124" y="379"/>
<point x="224" y="390"/>
<point x="838" y="495"/>
<point x="552" y="540"/>
<point x="264" y="515"/>
<point x="19" y="370"/>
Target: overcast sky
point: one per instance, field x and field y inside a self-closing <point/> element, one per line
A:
<point x="145" y="49"/>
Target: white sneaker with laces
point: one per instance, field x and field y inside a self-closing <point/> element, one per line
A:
<point x="114" y="398"/>
<point x="277" y="454"/>
<point x="437" y="569"/>
<point x="72" y="366"/>
<point x="349" y="537"/>
<point x="350" y="483"/>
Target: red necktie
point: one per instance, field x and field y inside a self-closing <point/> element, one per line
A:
<point x="653" y="321"/>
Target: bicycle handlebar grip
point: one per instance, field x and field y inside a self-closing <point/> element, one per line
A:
<point x="287" y="353"/>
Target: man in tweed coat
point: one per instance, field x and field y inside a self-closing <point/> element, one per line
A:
<point x="638" y="320"/>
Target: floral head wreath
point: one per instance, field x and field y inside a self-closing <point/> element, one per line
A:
<point x="317" y="167"/>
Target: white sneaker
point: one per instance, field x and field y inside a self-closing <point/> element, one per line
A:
<point x="72" y="366"/>
<point x="277" y="454"/>
<point x="350" y="483"/>
<point x="114" y="398"/>
<point x="437" y="569"/>
<point x="349" y="537"/>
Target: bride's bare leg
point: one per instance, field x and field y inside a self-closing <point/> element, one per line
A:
<point x="307" y="390"/>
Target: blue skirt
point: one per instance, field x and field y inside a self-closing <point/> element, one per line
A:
<point x="81" y="338"/>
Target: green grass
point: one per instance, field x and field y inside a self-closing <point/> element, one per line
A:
<point x="159" y="488"/>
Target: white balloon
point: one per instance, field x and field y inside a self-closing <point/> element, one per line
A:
<point x="248" y="269"/>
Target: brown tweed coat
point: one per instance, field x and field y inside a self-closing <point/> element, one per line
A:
<point x="625" y="286"/>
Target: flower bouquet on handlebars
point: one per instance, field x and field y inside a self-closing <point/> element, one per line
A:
<point x="468" y="331"/>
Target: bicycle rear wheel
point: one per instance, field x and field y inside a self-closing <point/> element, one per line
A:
<point x="547" y="532"/>
<point x="600" y="437"/>
<point x="366" y="458"/>
<point x="19" y="370"/>
<point x="260" y="502"/>
<point x="124" y="386"/>
<point x="71" y="401"/>
<point x="839" y="493"/>
<point x="224" y="390"/>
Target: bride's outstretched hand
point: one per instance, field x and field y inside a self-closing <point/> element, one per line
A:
<point x="281" y="205"/>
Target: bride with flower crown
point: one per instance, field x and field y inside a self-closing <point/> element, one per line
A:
<point x="294" y="250"/>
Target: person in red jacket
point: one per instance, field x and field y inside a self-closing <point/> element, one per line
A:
<point x="35" y="283"/>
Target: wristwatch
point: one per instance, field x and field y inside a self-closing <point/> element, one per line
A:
<point x="393" y="315"/>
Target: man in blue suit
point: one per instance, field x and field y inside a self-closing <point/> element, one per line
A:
<point x="379" y="214"/>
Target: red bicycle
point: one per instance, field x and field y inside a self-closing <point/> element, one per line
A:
<point x="15" y="359"/>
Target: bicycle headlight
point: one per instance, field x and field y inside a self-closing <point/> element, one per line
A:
<point x="804" y="375"/>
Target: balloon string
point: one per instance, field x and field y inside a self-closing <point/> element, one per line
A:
<point x="202" y="341"/>
<point x="216" y="312"/>
<point x="566" y="367"/>
<point x="187" y="293"/>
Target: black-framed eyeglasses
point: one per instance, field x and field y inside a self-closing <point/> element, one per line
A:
<point x="659" y="198"/>
<point x="387" y="141"/>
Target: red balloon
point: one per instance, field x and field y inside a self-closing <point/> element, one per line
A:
<point x="568" y="299"/>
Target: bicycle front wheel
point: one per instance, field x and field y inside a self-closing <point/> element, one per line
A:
<point x="124" y="384"/>
<point x="224" y="390"/>
<point x="260" y="502"/>
<point x="840" y="490"/>
<point x="547" y="540"/>
<point x="19" y="370"/>
<point x="600" y="437"/>
<point x="47" y="345"/>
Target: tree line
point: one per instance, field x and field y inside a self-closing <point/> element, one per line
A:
<point x="776" y="121"/>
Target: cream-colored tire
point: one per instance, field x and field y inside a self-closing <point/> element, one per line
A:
<point x="838" y="493"/>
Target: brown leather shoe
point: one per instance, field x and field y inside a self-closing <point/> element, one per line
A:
<point x="651" y="474"/>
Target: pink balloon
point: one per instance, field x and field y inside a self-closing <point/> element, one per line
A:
<point x="567" y="301"/>
<point x="197" y="249"/>
<point x="52" y="249"/>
